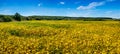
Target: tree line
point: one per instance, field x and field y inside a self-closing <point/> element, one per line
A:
<point x="8" y="18"/>
<point x="18" y="17"/>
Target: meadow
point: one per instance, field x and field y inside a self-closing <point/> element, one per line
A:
<point x="60" y="37"/>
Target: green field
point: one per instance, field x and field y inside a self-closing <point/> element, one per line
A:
<point x="60" y="37"/>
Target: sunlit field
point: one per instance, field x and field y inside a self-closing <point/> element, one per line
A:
<point x="60" y="37"/>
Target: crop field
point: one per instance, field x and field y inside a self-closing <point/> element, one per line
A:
<point x="60" y="37"/>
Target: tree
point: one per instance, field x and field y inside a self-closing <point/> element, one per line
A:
<point x="17" y="17"/>
<point x="5" y="18"/>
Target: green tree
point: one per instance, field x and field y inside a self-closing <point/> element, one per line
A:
<point x="5" y="18"/>
<point x="17" y="17"/>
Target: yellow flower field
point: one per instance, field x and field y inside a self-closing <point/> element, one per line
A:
<point x="60" y="37"/>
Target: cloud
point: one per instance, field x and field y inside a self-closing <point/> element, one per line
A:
<point x="62" y="3"/>
<point x="93" y="5"/>
<point x="39" y="4"/>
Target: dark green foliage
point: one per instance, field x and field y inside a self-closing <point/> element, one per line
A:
<point x="17" y="17"/>
<point x="5" y="18"/>
<point x="69" y="18"/>
<point x="27" y="18"/>
<point x="14" y="32"/>
<point x="1" y="18"/>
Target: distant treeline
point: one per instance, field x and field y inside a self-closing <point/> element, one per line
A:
<point x="18" y="17"/>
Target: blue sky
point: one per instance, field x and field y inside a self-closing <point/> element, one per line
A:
<point x="75" y="8"/>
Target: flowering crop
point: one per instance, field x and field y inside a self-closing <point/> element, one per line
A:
<point x="60" y="37"/>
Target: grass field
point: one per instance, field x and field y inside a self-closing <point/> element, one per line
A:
<point x="60" y="37"/>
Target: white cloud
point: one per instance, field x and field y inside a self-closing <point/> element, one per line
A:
<point x="39" y="4"/>
<point x="93" y="5"/>
<point x="62" y="3"/>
